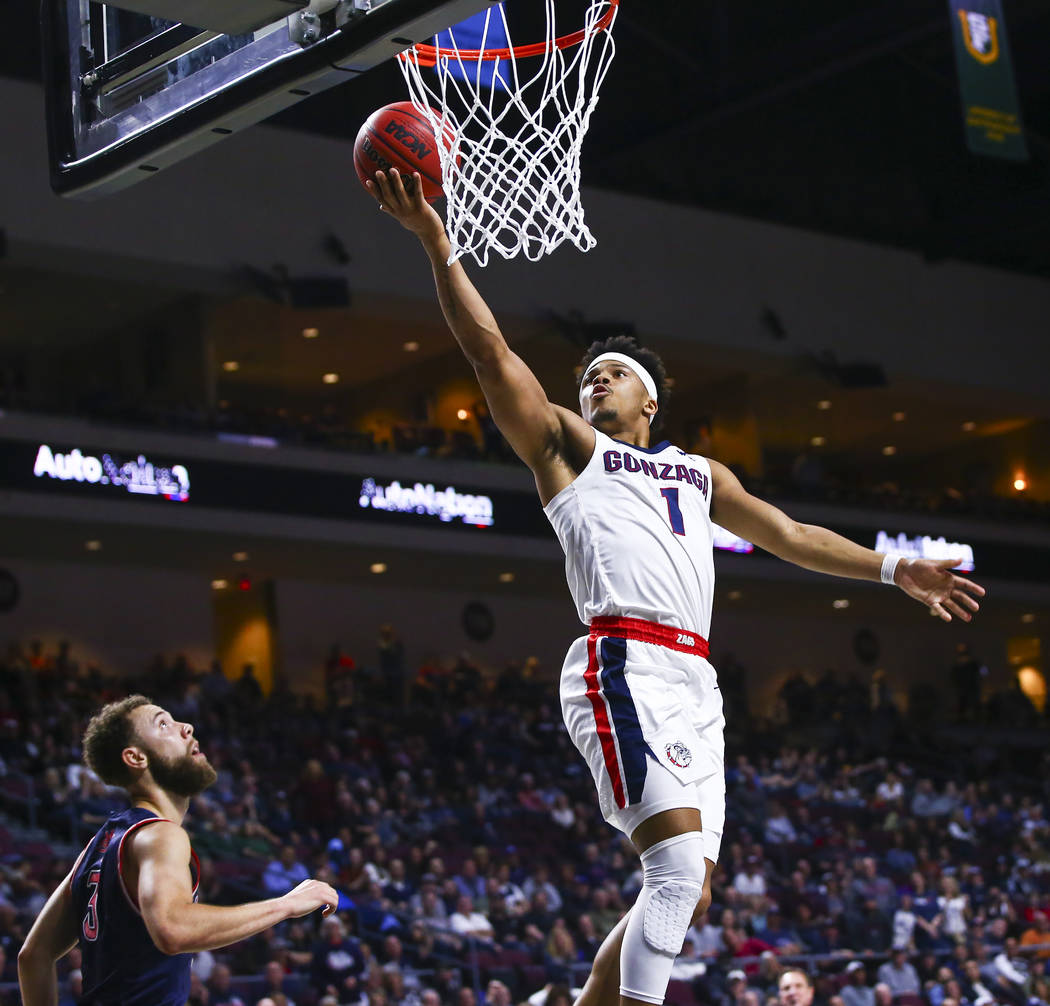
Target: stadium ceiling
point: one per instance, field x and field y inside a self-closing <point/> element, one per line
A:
<point x="841" y="118"/>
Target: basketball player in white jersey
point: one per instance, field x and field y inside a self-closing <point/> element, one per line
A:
<point x="640" y="700"/>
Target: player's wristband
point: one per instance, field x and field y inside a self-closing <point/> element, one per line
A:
<point x="889" y="567"/>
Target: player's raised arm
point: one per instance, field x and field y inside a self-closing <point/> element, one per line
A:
<point x="53" y="935"/>
<point x="931" y="582"/>
<point x="534" y="427"/>
<point x="177" y="924"/>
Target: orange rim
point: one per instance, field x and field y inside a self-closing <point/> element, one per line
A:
<point x="428" y="55"/>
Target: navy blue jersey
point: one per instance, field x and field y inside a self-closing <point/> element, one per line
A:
<point x="121" y="965"/>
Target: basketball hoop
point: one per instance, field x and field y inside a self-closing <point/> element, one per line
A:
<point x="511" y="173"/>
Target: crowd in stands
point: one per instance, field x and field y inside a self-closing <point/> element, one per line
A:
<point x="897" y="864"/>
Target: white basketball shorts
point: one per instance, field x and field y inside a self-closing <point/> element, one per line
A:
<point x="641" y="704"/>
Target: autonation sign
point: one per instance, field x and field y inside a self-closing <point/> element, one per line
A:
<point x="445" y="504"/>
<point x="925" y="547"/>
<point x="140" y="477"/>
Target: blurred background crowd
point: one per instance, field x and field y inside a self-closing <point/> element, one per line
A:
<point x="897" y="859"/>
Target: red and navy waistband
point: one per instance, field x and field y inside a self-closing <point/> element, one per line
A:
<point x="642" y="631"/>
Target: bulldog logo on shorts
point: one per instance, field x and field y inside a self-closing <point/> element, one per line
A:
<point x="679" y="755"/>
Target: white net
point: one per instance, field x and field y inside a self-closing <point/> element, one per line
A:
<point x="515" y="127"/>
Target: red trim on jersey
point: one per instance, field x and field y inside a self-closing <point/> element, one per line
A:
<point x="601" y="719"/>
<point x="80" y="858"/>
<point x="648" y="632"/>
<point x="120" y="857"/>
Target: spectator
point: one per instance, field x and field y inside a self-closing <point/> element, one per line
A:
<point x="750" y="882"/>
<point x="966" y="682"/>
<point x="275" y="981"/>
<point x="795" y="988"/>
<point x="953" y="910"/>
<point x="220" y="991"/>
<point x="497" y="994"/>
<point x="469" y="883"/>
<point x="284" y="874"/>
<point x="1038" y="935"/>
<point x="973" y="987"/>
<point x="856" y="991"/>
<point x="899" y="974"/>
<point x="464" y="921"/>
<point x="338" y="962"/>
<point x="392" y="666"/>
<point x="778" y="826"/>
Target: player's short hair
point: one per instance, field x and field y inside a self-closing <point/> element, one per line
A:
<point x="795" y="971"/>
<point x="628" y="345"/>
<point x="108" y="733"/>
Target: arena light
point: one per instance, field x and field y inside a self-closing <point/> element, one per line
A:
<point x="506" y="578"/>
<point x="1020" y="483"/>
<point x="899" y="417"/>
<point x="411" y="346"/>
<point x="824" y="404"/>
<point x="969" y="426"/>
<point x="735" y="595"/>
<point x="378" y="567"/>
<point x="330" y="378"/>
<point x="462" y="415"/>
<point x="841" y="604"/>
<point x="231" y="366"/>
<point x="311" y="333"/>
<point x="240" y="556"/>
<point x="889" y="450"/>
<point x="817" y="441"/>
<point x="94" y="545"/>
<point x="219" y="584"/>
<point x="1028" y="618"/>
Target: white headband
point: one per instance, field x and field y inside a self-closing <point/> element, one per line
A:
<point x="643" y="375"/>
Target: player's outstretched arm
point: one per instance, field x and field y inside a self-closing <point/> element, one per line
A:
<point x="178" y="925"/>
<point x="53" y="935"/>
<point x="931" y="582"/>
<point x="534" y="427"/>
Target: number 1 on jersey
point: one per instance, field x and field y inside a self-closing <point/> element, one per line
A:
<point x="674" y="511"/>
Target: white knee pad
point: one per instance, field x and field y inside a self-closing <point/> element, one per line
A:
<point x="673" y="873"/>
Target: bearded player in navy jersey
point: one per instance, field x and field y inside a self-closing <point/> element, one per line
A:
<point x="130" y="900"/>
<point x="639" y="698"/>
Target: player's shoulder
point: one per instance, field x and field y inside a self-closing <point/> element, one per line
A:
<point x="157" y="837"/>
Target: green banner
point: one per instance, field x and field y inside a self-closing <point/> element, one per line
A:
<point x="986" y="80"/>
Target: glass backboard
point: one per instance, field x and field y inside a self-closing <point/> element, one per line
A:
<point x="134" y="88"/>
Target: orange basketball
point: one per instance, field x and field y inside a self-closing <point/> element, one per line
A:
<point x="399" y="136"/>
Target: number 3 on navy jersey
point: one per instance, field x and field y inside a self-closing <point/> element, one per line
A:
<point x="90" y="924"/>
<point x="674" y="511"/>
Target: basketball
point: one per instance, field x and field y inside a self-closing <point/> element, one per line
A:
<point x="399" y="136"/>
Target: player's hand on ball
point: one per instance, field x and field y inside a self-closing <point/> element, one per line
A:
<point x="309" y="896"/>
<point x="932" y="582"/>
<point x="402" y="198"/>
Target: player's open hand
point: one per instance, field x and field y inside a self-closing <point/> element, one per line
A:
<point x="401" y="196"/>
<point x="932" y="582"/>
<point x="309" y="896"/>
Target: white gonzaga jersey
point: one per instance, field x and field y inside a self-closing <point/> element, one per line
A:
<point x="636" y="529"/>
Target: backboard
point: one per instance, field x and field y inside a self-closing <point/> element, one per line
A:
<point x="133" y="88"/>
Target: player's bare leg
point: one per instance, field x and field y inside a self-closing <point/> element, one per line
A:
<point x="602" y="987"/>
